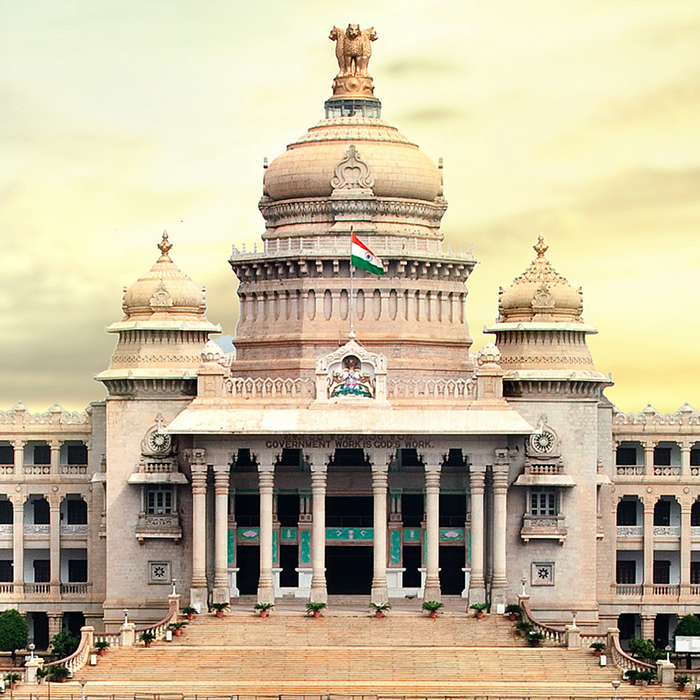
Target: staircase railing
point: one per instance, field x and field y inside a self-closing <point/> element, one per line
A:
<point x="621" y="658"/>
<point x="555" y="634"/>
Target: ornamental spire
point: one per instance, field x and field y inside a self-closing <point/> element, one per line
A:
<point x="541" y="248"/>
<point x="164" y="246"/>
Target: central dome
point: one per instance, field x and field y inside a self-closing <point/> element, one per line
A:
<point x="397" y="167"/>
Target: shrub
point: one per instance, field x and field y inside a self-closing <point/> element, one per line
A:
<point x="58" y="673"/>
<point x="432" y="605"/>
<point x="688" y="626"/>
<point x="64" y="644"/>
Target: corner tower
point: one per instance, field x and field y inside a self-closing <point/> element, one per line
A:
<point x="352" y="172"/>
<point x="549" y="378"/>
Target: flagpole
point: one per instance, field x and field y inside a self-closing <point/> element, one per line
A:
<point x="351" y="335"/>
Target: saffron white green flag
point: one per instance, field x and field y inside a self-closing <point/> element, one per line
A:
<point x="362" y="256"/>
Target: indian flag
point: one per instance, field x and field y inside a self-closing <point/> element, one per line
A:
<point x="362" y="256"/>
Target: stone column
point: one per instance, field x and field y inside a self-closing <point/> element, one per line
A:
<point x="685" y="457"/>
<point x="19" y="455"/>
<point x="432" y="530"/>
<point x="685" y="548"/>
<point x="55" y="623"/>
<point x="477" y="589"/>
<point x="55" y="446"/>
<point x="648" y="545"/>
<point x="648" y="625"/>
<point x="198" y="593"/>
<point x="319" y="593"/>
<point x="221" y="593"/>
<point x="649" y="457"/>
<point x="18" y="542"/>
<point x="500" y="493"/>
<point x="55" y="539"/>
<point x="266" y="481"/>
<point x="380" y="593"/>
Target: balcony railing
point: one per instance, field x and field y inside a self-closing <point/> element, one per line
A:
<point x="73" y="469"/>
<point x="41" y="530"/>
<point x="630" y="530"/>
<point x="629" y="589"/>
<point x="7" y="469"/>
<point x="633" y="470"/>
<point x="37" y="469"/>
<point x="75" y="530"/>
<point x="666" y="589"/>
<point x="667" y="531"/>
<point x="74" y="588"/>
<point x="7" y="588"/>
<point x="6" y="530"/>
<point x="37" y="588"/>
<point x="666" y="470"/>
<point x="662" y="589"/>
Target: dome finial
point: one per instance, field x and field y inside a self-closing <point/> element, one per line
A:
<point x="164" y="246"/>
<point x="541" y="248"/>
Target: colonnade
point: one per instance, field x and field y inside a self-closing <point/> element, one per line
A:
<point x="318" y="472"/>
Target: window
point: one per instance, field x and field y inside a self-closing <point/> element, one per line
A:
<point x="42" y="570"/>
<point x="662" y="513"/>
<point x="77" y="511"/>
<point x="695" y="514"/>
<point x="695" y="457"/>
<point x="41" y="512"/>
<point x="626" y="571"/>
<point x="662" y="456"/>
<point x="695" y="572"/>
<point x="5" y="512"/>
<point x="77" y="454"/>
<point x="42" y="454"/>
<point x="626" y="456"/>
<point x="662" y="571"/>
<point x="627" y="512"/>
<point x="543" y="501"/>
<point x="7" y="454"/>
<point x="6" y="571"/>
<point x="159" y="500"/>
<point x="77" y="571"/>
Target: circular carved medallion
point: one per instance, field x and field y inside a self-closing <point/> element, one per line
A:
<point x="542" y="442"/>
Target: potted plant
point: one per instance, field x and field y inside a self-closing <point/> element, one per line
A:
<point x="315" y="609"/>
<point x="58" y="674"/>
<point x="681" y="681"/>
<point x="177" y="627"/>
<point x="41" y="674"/>
<point x="646" y="677"/>
<point x="189" y="612"/>
<point x="513" y="611"/>
<point x="696" y="693"/>
<point x="598" y="648"/>
<point x="219" y="608"/>
<point x="147" y="638"/>
<point x="101" y="645"/>
<point x="534" y="639"/>
<point x="479" y="609"/>
<point x="432" y="607"/>
<point x="12" y="679"/>
<point x="264" y="608"/>
<point x="523" y="627"/>
<point x="380" y="608"/>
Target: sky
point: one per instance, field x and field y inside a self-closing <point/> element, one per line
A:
<point x="122" y="118"/>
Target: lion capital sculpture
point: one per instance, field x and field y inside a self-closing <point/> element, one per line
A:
<point x="353" y="49"/>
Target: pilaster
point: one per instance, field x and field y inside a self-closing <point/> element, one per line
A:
<point x="266" y="482"/>
<point x="500" y="499"/>
<point x="319" y="592"/>
<point x="221" y="591"/>
<point x="432" y="465"/>
<point x="477" y="588"/>
<point x="198" y="594"/>
<point x="380" y="593"/>
<point x="18" y="541"/>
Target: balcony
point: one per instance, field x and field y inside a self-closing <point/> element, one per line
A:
<point x="75" y="589"/>
<point x="543" y="527"/>
<point x="666" y="470"/>
<point x="36" y="469"/>
<point x="667" y="531"/>
<point x="163" y="526"/>
<point x="633" y="470"/>
<point x="73" y="469"/>
<point x="37" y="588"/>
<point x="666" y="589"/>
<point x="74" y="531"/>
<point x="628" y="589"/>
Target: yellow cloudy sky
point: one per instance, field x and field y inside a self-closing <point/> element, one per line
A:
<point x="121" y="118"/>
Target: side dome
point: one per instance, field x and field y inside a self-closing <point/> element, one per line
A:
<point x="164" y="293"/>
<point x="540" y="294"/>
<point x="397" y="167"/>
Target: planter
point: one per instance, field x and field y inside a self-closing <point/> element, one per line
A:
<point x="317" y="613"/>
<point x="433" y="614"/>
<point x="190" y="616"/>
<point x="512" y="617"/>
<point x="219" y="613"/>
<point x="479" y="614"/>
<point x="681" y="687"/>
<point x="378" y="613"/>
<point x="177" y="632"/>
<point x="263" y="614"/>
<point x="147" y="644"/>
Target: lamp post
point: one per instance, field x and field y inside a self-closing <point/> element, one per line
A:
<point x="82" y="682"/>
<point x="615" y="684"/>
<point x="31" y="648"/>
<point x="174" y="581"/>
<point x="126" y="615"/>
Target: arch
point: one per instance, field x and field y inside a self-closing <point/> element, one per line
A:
<point x="667" y="512"/>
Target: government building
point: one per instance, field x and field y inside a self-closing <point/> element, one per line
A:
<point x="355" y="442"/>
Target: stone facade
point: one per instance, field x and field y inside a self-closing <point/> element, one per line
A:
<point x="353" y="443"/>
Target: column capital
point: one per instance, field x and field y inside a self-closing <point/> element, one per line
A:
<point x="380" y="469"/>
<point x="432" y="459"/>
<point x="55" y="444"/>
<point x="18" y="444"/>
<point x="318" y="470"/>
<point x="500" y="480"/>
<point x="221" y="478"/>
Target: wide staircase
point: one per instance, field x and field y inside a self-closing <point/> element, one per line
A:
<point x="347" y="652"/>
